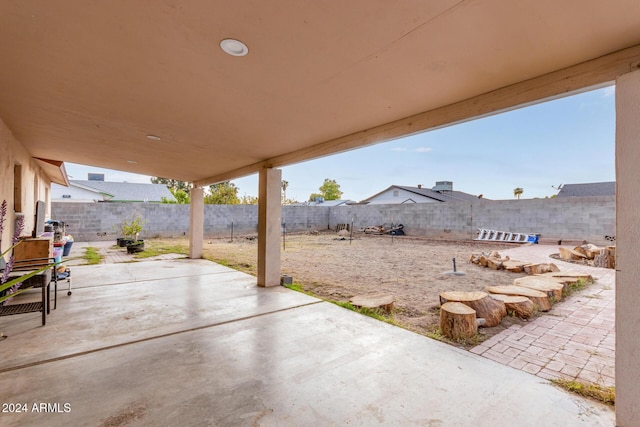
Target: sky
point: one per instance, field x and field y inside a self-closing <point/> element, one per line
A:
<point x="564" y="141"/>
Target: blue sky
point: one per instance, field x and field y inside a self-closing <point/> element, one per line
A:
<point x="565" y="141"/>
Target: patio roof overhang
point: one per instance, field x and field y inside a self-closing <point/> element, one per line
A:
<point x="93" y="84"/>
<point x="55" y="170"/>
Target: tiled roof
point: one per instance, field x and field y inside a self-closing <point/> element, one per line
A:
<point x="588" y="189"/>
<point x="128" y="191"/>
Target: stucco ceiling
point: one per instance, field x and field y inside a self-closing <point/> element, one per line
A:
<point x="86" y="81"/>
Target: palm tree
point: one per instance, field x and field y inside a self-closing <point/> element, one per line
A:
<point x="517" y="192"/>
<point x="284" y="185"/>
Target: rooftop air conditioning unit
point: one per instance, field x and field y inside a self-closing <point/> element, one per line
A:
<point x="443" y="186"/>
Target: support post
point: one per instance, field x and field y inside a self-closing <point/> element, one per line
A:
<point x="196" y="222"/>
<point x="627" y="237"/>
<point x="269" y="215"/>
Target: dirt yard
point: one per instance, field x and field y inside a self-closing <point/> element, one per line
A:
<point x="410" y="269"/>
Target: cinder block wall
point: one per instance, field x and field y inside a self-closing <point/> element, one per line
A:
<point x="101" y="221"/>
<point x="571" y="218"/>
<point x="584" y="218"/>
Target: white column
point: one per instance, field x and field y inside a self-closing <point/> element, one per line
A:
<point x="196" y="222"/>
<point x="627" y="257"/>
<point x="269" y="215"/>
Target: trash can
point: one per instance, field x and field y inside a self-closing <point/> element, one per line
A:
<point x="67" y="248"/>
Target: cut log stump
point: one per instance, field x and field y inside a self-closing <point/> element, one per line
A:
<point x="539" y="299"/>
<point x="570" y="254"/>
<point x="381" y="301"/>
<point x="604" y="261"/>
<point x="606" y="258"/>
<point x="549" y="285"/>
<point x="540" y="268"/>
<point x="487" y="308"/>
<point x="567" y="278"/>
<point x="521" y="307"/>
<point x="494" y="263"/>
<point x="458" y="321"/>
<point x="482" y="261"/>
<point x="588" y="250"/>
<point x="514" y="266"/>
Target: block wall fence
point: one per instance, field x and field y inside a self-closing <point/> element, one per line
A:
<point x="573" y="218"/>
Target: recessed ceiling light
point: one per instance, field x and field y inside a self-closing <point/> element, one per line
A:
<point x="234" y="47"/>
<point x="131" y="161"/>
<point x="154" y="137"/>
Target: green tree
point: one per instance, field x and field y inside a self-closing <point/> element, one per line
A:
<point x="172" y="184"/>
<point x="181" y="197"/>
<point x="330" y="189"/>
<point x="248" y="200"/>
<point x="517" y="192"/>
<point x="224" y="193"/>
<point x="314" y="196"/>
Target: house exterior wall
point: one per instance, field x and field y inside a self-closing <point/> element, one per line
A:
<point x="575" y="218"/>
<point x="387" y="197"/>
<point x="627" y="266"/>
<point x="34" y="184"/>
<point x="78" y="195"/>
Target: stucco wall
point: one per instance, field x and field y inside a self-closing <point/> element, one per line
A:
<point x="35" y="184"/>
<point x="76" y="194"/>
<point x="627" y="266"/>
<point x="589" y="218"/>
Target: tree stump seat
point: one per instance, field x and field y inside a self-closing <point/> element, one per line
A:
<point x="458" y="321"/>
<point x="374" y="301"/>
<point x="486" y="308"/>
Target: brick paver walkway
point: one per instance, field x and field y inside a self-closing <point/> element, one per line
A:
<point x="111" y="254"/>
<point x="575" y="340"/>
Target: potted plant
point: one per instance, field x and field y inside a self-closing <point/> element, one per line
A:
<point x="126" y="238"/>
<point x="132" y="229"/>
<point x="135" y="246"/>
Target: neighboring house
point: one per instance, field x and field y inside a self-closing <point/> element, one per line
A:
<point x="103" y="191"/>
<point x="441" y="192"/>
<point x="588" y="189"/>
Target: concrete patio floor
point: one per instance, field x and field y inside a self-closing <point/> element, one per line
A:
<point x="189" y="342"/>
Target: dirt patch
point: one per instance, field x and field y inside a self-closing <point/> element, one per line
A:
<point x="410" y="269"/>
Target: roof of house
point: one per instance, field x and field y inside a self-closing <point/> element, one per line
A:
<point x="127" y="191"/>
<point x="588" y="189"/>
<point x="440" y="196"/>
